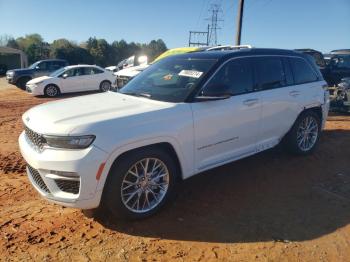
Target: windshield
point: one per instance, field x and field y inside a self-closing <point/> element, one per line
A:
<point x="34" y="65"/>
<point x="58" y="72"/>
<point x="169" y="80"/>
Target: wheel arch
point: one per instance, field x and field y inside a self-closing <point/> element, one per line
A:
<point x="52" y="84"/>
<point x="23" y="76"/>
<point x="105" y="80"/>
<point x="316" y="108"/>
<point x="166" y="144"/>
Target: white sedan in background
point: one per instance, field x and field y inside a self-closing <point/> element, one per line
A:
<point x="76" y="78"/>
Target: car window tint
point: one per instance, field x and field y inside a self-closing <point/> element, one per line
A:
<point x="79" y="71"/>
<point x="235" y="77"/>
<point x="270" y="72"/>
<point x="43" y="66"/>
<point x="288" y="71"/>
<point x="75" y="72"/>
<point x="89" y="71"/>
<point x="342" y="62"/>
<point x="54" y="65"/>
<point x="302" y="71"/>
<point x="98" y="71"/>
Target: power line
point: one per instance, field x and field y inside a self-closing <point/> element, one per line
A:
<point x="215" y="11"/>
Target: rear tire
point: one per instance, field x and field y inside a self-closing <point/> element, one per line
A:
<point x="304" y="135"/>
<point x="51" y="91"/>
<point x="105" y="86"/>
<point x="133" y="193"/>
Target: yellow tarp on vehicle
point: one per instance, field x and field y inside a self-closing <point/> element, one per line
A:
<point x="175" y="51"/>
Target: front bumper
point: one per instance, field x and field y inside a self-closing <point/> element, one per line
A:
<point x="34" y="89"/>
<point x="47" y="171"/>
<point x="10" y="78"/>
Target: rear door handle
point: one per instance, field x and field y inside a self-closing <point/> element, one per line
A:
<point x="250" y="102"/>
<point x="294" y="93"/>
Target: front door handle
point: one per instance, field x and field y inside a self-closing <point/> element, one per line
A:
<point x="294" y="93"/>
<point x="250" y="102"/>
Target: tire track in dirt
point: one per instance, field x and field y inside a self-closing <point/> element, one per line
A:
<point x="12" y="163"/>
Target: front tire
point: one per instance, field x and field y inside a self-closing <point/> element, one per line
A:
<point x="304" y="135"/>
<point x="51" y="91"/>
<point x="21" y="83"/>
<point x="105" y="86"/>
<point x="140" y="183"/>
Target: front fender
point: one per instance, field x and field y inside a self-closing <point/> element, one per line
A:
<point x="186" y="169"/>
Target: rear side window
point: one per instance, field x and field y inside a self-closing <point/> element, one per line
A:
<point x="92" y="71"/>
<point x="235" y="76"/>
<point x="54" y="65"/>
<point x="302" y="71"/>
<point x="270" y="72"/>
<point x="97" y="71"/>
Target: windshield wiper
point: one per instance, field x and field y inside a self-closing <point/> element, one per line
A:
<point x="138" y="94"/>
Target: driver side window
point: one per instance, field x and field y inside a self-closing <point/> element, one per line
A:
<point x="42" y="66"/>
<point x="235" y="78"/>
<point x="74" y="72"/>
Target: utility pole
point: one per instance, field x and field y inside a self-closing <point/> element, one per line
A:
<point x="214" y="19"/>
<point x="239" y="22"/>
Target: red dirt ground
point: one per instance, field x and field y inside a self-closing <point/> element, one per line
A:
<point x="269" y="207"/>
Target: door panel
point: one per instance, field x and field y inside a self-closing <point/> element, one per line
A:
<point x="74" y="82"/>
<point x="42" y="69"/>
<point x="283" y="102"/>
<point x="225" y="129"/>
<point x="93" y="78"/>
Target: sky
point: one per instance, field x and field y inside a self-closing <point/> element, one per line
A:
<point x="319" y="24"/>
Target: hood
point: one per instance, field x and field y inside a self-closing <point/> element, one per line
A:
<point x="39" y="79"/>
<point x="131" y="71"/>
<point x="22" y="71"/>
<point x="68" y="116"/>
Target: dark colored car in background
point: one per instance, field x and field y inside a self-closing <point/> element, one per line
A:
<point x="317" y="55"/>
<point x="21" y="76"/>
<point x="3" y="69"/>
<point x="334" y="66"/>
<point x="338" y="66"/>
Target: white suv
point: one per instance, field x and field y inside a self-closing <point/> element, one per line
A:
<point x="126" y="151"/>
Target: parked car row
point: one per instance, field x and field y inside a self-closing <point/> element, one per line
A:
<point x="20" y="77"/>
<point x="54" y="77"/>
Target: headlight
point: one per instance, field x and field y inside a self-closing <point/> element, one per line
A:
<point x="10" y="73"/>
<point x="38" y="83"/>
<point x="69" y="142"/>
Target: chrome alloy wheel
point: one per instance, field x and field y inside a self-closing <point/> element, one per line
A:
<point x="144" y="185"/>
<point x="307" y="133"/>
<point x="51" y="91"/>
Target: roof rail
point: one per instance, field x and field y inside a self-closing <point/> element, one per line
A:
<point x="228" y="47"/>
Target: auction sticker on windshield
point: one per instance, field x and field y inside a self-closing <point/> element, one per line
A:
<point x="191" y="73"/>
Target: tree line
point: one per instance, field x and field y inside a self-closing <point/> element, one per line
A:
<point x="93" y="51"/>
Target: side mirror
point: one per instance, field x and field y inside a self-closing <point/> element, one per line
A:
<point x="37" y="68"/>
<point x="64" y="76"/>
<point x="214" y="92"/>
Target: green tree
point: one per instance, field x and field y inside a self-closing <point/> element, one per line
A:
<point x="34" y="46"/>
<point x="74" y="54"/>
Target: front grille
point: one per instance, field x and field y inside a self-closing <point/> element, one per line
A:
<point x="122" y="81"/>
<point x="69" y="186"/>
<point x="37" y="179"/>
<point x="37" y="140"/>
